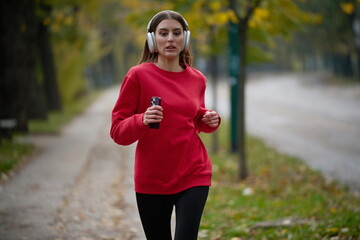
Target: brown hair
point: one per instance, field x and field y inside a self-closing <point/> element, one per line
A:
<point x="186" y="57"/>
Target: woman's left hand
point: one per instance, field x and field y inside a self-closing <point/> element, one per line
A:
<point x="211" y="118"/>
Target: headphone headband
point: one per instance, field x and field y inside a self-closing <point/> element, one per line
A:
<point x="169" y="11"/>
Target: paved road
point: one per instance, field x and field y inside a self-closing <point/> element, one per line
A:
<point x="300" y="115"/>
<point x="78" y="186"/>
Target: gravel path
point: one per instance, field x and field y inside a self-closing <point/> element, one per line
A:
<point x="78" y="185"/>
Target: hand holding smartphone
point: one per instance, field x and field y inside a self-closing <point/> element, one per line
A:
<point x="155" y="101"/>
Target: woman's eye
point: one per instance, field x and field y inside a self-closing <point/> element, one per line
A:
<point x="177" y="33"/>
<point x="163" y="34"/>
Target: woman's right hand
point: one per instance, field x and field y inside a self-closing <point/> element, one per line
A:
<point x="153" y="114"/>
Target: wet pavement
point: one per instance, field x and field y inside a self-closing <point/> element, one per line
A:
<point x="79" y="185"/>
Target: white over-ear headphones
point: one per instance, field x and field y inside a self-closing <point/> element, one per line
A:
<point x="150" y="37"/>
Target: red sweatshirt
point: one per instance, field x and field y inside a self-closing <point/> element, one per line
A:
<point x="173" y="158"/>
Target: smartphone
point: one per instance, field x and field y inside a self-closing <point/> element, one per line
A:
<point x="155" y="101"/>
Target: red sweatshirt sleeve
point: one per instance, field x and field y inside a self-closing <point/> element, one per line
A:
<point x="203" y="127"/>
<point x="127" y="126"/>
<point x="199" y="124"/>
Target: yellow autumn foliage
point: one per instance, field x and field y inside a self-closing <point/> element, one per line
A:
<point x="215" y="6"/>
<point x="347" y="7"/>
<point x="260" y="17"/>
<point x="261" y="13"/>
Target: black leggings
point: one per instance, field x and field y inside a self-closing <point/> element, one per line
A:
<point x="156" y="210"/>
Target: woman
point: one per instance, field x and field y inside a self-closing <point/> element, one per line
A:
<point x="172" y="167"/>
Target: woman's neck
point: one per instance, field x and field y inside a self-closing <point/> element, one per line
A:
<point x="169" y="65"/>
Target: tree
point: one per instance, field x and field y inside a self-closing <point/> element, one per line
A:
<point x="330" y="43"/>
<point x="243" y="20"/>
<point x="47" y="60"/>
<point x="259" y="20"/>
<point x="38" y="78"/>
<point x="18" y="42"/>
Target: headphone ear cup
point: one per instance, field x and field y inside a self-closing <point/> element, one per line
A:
<point x="186" y="41"/>
<point x="150" y="37"/>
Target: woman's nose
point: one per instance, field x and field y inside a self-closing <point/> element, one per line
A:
<point x="170" y="37"/>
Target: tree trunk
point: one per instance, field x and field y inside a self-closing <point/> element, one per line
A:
<point x="243" y="172"/>
<point x="48" y="65"/>
<point x="36" y="105"/>
<point x="18" y="40"/>
<point x="234" y="74"/>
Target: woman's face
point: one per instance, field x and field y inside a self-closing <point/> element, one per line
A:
<point x="169" y="37"/>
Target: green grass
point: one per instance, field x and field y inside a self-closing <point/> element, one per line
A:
<point x="11" y="153"/>
<point x="280" y="187"/>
